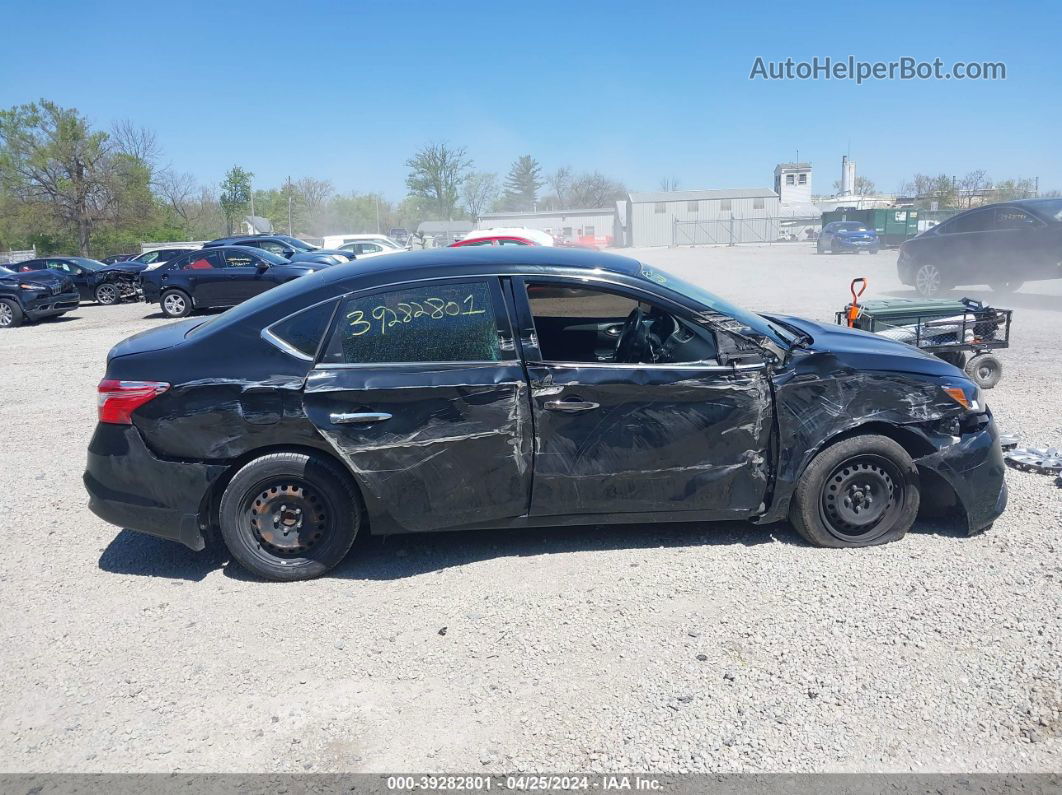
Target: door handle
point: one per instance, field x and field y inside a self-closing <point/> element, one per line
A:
<point x="614" y="331"/>
<point x="359" y="418"/>
<point x="571" y="406"/>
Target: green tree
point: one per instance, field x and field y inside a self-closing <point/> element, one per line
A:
<point x="235" y="195"/>
<point x="522" y="184"/>
<point x="50" y="158"/>
<point x="436" y="172"/>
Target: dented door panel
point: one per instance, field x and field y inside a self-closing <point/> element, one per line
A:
<point x="454" y="450"/>
<point x="659" y="439"/>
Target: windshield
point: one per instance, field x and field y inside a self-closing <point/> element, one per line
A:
<point x="1050" y="209"/>
<point x="759" y="324"/>
<point x="295" y="243"/>
<point x="88" y="264"/>
<point x="6" y="272"/>
<point x="269" y="256"/>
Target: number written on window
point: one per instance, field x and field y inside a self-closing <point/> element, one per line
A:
<point x="437" y="323"/>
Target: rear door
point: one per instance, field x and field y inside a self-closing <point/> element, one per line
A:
<point x="203" y="273"/>
<point x="1024" y="246"/>
<point x="419" y="390"/>
<point x="616" y="437"/>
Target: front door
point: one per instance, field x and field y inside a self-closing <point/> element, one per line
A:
<point x="244" y="278"/>
<point x="420" y="391"/>
<point x="663" y="426"/>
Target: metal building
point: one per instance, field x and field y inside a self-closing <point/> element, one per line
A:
<point x="593" y="227"/>
<point x="702" y="217"/>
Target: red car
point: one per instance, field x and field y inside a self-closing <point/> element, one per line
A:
<point x="506" y="237"/>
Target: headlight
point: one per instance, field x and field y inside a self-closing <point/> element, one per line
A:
<point x="968" y="395"/>
<point x="31" y="286"/>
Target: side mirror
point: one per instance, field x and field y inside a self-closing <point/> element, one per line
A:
<point x="263" y="266"/>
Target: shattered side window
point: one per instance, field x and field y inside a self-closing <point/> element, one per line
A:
<point x="444" y="322"/>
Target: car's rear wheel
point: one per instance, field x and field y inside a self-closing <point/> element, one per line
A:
<point x="290" y="516"/>
<point x="107" y="294"/>
<point x="1006" y="288"/>
<point x="859" y="492"/>
<point x="10" y="314"/>
<point x="929" y="281"/>
<point x="175" y="303"/>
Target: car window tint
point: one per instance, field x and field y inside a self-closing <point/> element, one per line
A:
<point x="974" y="222"/>
<point x="239" y="259"/>
<point x="272" y="246"/>
<point x="447" y="322"/>
<point x="558" y="301"/>
<point x="65" y="267"/>
<point x="303" y="330"/>
<point x="511" y="242"/>
<point x="203" y="260"/>
<point x="1013" y="218"/>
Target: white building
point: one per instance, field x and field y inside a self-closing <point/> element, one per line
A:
<point x="593" y="226"/>
<point x="792" y="183"/>
<point x="702" y="217"/>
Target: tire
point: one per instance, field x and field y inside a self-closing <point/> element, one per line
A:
<point x="107" y="295"/>
<point x="1006" y="288"/>
<point x="928" y="279"/>
<point x="875" y="250"/>
<point x="825" y="509"/>
<point x="175" y="303"/>
<point x="11" y="315"/>
<point x="265" y="505"/>
<point x="985" y="370"/>
<point x="956" y="359"/>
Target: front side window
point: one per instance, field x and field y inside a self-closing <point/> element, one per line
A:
<point x="65" y="267"/>
<point x="445" y="322"/>
<point x="239" y="259"/>
<point x="591" y="324"/>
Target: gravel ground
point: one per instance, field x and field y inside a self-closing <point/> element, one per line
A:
<point x="659" y="648"/>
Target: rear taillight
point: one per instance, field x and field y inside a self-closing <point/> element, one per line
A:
<point x="119" y="399"/>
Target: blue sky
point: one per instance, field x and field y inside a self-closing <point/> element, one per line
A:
<point x="347" y="91"/>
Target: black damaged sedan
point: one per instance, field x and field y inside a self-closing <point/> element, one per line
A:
<point x="496" y="388"/>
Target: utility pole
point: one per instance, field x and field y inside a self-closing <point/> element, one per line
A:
<point x="377" y="197"/>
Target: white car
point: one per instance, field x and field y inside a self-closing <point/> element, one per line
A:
<point x="344" y="241"/>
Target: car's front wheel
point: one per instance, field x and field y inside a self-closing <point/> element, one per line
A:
<point x="175" y="303"/>
<point x="290" y="516"/>
<point x="929" y="281"/>
<point x="107" y="294"/>
<point x="859" y="492"/>
<point x="10" y="313"/>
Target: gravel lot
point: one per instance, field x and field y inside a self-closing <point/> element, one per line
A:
<point x="662" y="648"/>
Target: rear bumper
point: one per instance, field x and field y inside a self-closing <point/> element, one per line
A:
<point x="974" y="468"/>
<point x="131" y="487"/>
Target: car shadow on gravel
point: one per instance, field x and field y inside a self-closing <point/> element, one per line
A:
<point x="400" y="556"/>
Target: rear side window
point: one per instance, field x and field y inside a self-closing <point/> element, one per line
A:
<point x="302" y="331"/>
<point x="202" y="260"/>
<point x="448" y="322"/>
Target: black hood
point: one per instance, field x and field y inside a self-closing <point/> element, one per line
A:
<point x="862" y="350"/>
<point x="35" y="277"/>
<point x="124" y="267"/>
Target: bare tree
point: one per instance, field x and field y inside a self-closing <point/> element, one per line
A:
<point x="560" y="182"/>
<point x="479" y="192"/>
<point x="594" y="190"/>
<point x="669" y="184"/>
<point x="314" y="193"/>
<point x="971" y="186"/>
<point x="176" y="191"/>
<point x="137" y="142"/>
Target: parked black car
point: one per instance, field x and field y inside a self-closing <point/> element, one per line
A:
<point x="1001" y="245"/>
<point x="33" y="296"/>
<point x="217" y="277"/>
<point x="839" y="237"/>
<point x="290" y="248"/>
<point x="104" y="284"/>
<point x="431" y="390"/>
<point x="113" y="258"/>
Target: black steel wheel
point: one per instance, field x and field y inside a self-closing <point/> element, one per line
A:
<point x="861" y="498"/>
<point x="289" y="516"/>
<point x="859" y="492"/>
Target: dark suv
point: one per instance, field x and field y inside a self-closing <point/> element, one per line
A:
<point x="1001" y="245"/>
<point x="217" y="277"/>
<point x="94" y="280"/>
<point x="290" y="248"/>
<point x="34" y="295"/>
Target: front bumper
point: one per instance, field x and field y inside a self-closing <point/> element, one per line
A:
<point x="974" y="468"/>
<point x="131" y="487"/>
<point x="855" y="245"/>
<point x="50" y="305"/>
